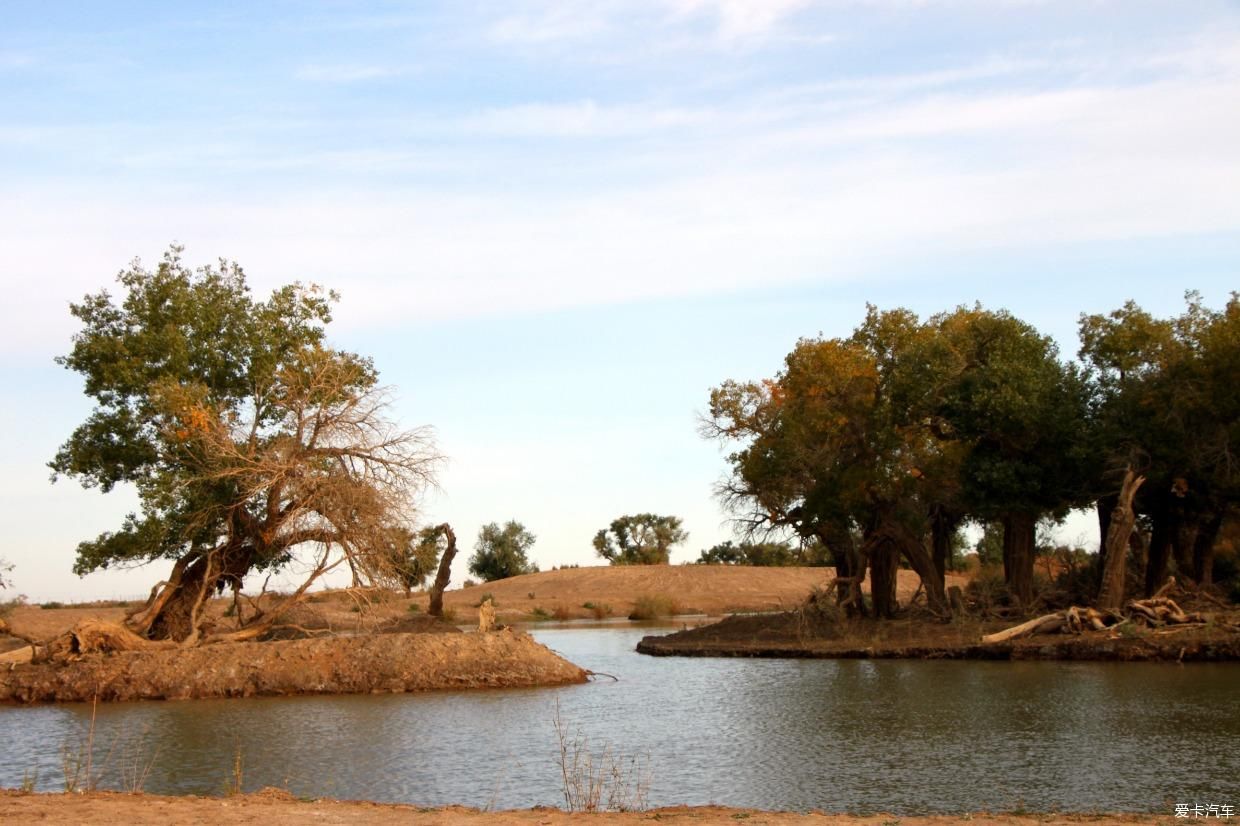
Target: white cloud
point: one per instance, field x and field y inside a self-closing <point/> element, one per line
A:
<point x="580" y="119"/>
<point x="740" y="19"/>
<point x="341" y="73"/>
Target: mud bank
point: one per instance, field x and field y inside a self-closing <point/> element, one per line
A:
<point x="277" y="808"/>
<point x="780" y="635"/>
<point x="377" y="663"/>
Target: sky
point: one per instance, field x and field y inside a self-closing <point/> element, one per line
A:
<point x="556" y="225"/>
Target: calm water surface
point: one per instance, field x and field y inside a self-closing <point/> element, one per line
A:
<point x="898" y="736"/>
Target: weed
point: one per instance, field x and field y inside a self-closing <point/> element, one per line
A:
<point x="598" y="610"/>
<point x="233" y="785"/>
<point x="653" y="606"/>
<point x="136" y="763"/>
<point x="77" y="759"/>
<point x="603" y="782"/>
<point x="30" y="781"/>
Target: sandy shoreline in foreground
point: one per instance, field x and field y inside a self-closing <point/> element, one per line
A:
<point x="278" y="808"/>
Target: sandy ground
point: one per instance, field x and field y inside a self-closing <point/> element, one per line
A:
<point x="275" y="808"/>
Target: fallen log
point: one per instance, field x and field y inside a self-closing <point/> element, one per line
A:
<point x="1049" y="622"/>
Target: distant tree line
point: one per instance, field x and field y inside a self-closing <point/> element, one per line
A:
<point x="882" y="444"/>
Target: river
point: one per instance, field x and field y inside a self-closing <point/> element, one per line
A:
<point x="905" y="737"/>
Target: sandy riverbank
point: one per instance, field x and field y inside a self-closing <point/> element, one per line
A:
<point x="375" y="663"/>
<point x="276" y="808"/>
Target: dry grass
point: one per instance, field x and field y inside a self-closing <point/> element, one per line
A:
<point x="654" y="606"/>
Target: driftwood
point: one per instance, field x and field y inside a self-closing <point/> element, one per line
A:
<point x="1155" y="611"/>
<point x="1049" y="622"/>
<point x="92" y="636"/>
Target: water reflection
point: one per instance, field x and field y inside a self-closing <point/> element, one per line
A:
<point x="900" y="736"/>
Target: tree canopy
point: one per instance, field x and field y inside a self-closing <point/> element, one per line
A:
<point x="639" y="539"/>
<point x="881" y="444"/>
<point x="250" y="441"/>
<point x="501" y="552"/>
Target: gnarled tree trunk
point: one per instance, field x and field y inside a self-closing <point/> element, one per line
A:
<point x="175" y="608"/>
<point x="1111" y="595"/>
<point x="445" y="572"/>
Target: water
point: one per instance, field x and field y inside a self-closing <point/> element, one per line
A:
<point x="848" y="735"/>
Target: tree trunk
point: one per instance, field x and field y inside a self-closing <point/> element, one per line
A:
<point x="445" y="572"/>
<point x="1203" y="548"/>
<point x="176" y="611"/>
<point x="1104" y="505"/>
<point x="943" y="526"/>
<point x="1185" y="541"/>
<point x="884" y="565"/>
<point x="921" y="561"/>
<point x="850" y="564"/>
<point x="1162" y="537"/>
<point x="1111" y="595"/>
<point x="1019" y="538"/>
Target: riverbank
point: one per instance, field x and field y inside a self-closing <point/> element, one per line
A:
<point x="788" y="635"/>
<point x="278" y="808"/>
<point x="374" y="663"/>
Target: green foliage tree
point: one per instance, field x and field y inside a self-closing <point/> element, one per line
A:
<point x="1169" y="406"/>
<point x="1022" y="417"/>
<point x="841" y="442"/>
<point x="249" y="441"/>
<point x="989" y="547"/>
<point x="501" y="552"/>
<point x="639" y="539"/>
<point x="761" y="554"/>
<point x="413" y="556"/>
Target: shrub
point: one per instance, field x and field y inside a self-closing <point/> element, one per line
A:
<point x="539" y="613"/>
<point x="653" y="606"/>
<point x="561" y="613"/>
<point x="484" y="598"/>
<point x="52" y="605"/>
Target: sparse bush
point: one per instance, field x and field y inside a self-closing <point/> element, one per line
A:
<point x="414" y="608"/>
<point x="469" y="583"/>
<point x="51" y="606"/>
<point x="561" y="613"/>
<point x="598" y="610"/>
<point x="539" y="613"/>
<point x="653" y="606"/>
<point x="484" y="598"/>
<point x="602" y="782"/>
<point x="820" y="615"/>
<point x="988" y="592"/>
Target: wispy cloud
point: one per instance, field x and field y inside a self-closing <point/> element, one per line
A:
<point x="739" y="19"/>
<point x="326" y="73"/>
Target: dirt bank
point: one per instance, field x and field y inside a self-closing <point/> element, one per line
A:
<point x="275" y="808"/>
<point x="786" y="635"/>
<point x="375" y="663"/>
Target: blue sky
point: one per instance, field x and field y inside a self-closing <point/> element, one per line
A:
<point x="556" y="225"/>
